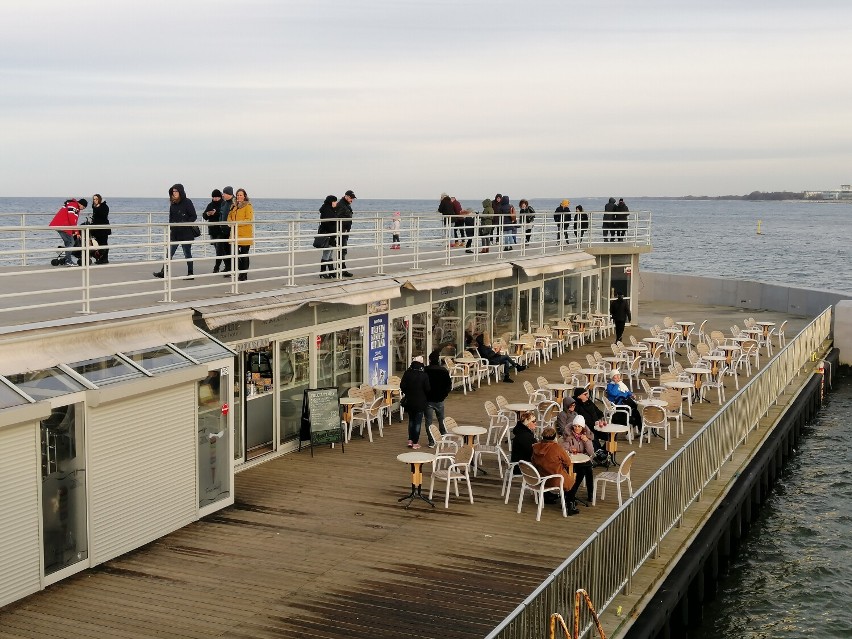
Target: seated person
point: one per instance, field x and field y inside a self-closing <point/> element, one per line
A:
<point x="618" y="393"/>
<point x="494" y="356"/>
<point x="551" y="459"/>
<point x="565" y="417"/>
<point x="523" y="439"/>
<point x="593" y="415"/>
<point x="579" y="439"/>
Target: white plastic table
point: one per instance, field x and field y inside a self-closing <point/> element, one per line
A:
<point x="416" y="461"/>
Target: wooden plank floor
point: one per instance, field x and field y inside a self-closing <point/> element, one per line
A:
<point x="320" y="548"/>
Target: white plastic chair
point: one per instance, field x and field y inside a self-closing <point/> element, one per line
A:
<point x="533" y="482"/>
<point x="654" y="418"/>
<point x="364" y="416"/>
<point x="493" y="439"/>
<point x="622" y="475"/>
<point x="458" y="468"/>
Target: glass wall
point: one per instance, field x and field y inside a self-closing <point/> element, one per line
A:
<point x="214" y="439"/>
<point x="446" y="326"/>
<point x="258" y="371"/>
<point x="399" y="353"/>
<point x="505" y="316"/>
<point x="340" y="359"/>
<point x="294" y="376"/>
<point x="619" y="278"/>
<point x="571" y="294"/>
<point x="477" y="315"/>
<point x="535" y="308"/>
<point x="63" y="490"/>
<point x="552" y="309"/>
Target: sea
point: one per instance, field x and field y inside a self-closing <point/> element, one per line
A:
<point x="792" y="576"/>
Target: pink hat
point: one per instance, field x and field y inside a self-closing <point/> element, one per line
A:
<point x="396" y="213"/>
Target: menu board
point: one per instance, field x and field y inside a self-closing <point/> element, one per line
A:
<point x="321" y="418"/>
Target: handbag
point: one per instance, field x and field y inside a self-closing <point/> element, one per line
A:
<point x="196" y="231"/>
<point x="321" y="242"/>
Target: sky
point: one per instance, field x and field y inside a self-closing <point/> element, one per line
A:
<point x="408" y="99"/>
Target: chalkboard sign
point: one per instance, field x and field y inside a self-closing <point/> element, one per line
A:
<point x="321" y="418"/>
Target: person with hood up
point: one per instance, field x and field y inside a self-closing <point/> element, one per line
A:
<point x="181" y="211"/>
<point x="562" y="217"/>
<point x="416" y="388"/>
<point x="621" y="216"/>
<point x="504" y="210"/>
<point x="241" y="219"/>
<point x="100" y="217"/>
<point x="67" y="216"/>
<point x="609" y="223"/>
<point x="486" y="225"/>
<point x="326" y="238"/>
<point x="565" y="417"/>
<point x="619" y="311"/>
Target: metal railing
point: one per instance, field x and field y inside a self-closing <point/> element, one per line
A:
<point x="282" y="254"/>
<point x="608" y="560"/>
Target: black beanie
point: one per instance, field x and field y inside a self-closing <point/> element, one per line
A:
<point x="216" y="193"/>
<point x="228" y="190"/>
<point x="578" y="391"/>
<point x="83" y="202"/>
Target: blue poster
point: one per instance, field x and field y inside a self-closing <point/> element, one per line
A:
<point x="378" y="361"/>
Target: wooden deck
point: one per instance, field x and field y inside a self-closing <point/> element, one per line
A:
<point x="319" y="547"/>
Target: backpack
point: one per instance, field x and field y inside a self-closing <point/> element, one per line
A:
<point x="512" y="216"/>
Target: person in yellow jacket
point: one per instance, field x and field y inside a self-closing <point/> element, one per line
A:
<point x="241" y="220"/>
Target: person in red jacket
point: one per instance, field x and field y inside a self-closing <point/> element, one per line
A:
<point x="67" y="217"/>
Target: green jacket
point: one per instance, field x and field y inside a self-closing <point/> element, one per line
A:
<point x="486" y="218"/>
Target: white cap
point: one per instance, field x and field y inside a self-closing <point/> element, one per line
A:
<point x="614" y="373"/>
<point x="579" y="419"/>
<point x="419" y="358"/>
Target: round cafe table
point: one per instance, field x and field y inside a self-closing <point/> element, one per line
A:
<point x="612" y="445"/>
<point x="684" y="327"/>
<point x="520" y="407"/>
<point x="470" y="433"/>
<point x="729" y="349"/>
<point x="765" y="326"/>
<point x="559" y="390"/>
<point x="652" y="402"/>
<point x="416" y="461"/>
<point x="715" y="361"/>
<point x="592" y="374"/>
<point x="518" y="345"/>
<point x="653" y="340"/>
<point x="697" y="372"/>
<point x="388" y="390"/>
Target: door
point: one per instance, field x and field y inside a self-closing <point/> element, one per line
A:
<point x="258" y="406"/>
<point x="214" y="438"/>
<point x="529" y="308"/>
<point x="409" y="333"/>
<point x="591" y="292"/>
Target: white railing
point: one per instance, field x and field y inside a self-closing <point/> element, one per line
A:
<point x="282" y="255"/>
<point x="608" y="560"/>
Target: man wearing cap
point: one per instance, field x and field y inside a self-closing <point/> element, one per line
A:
<point x="223" y="248"/>
<point x="415" y="386"/>
<point x="562" y="217"/>
<point x="344" y="213"/>
<point x="67" y="216"/>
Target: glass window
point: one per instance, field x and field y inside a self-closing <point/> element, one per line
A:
<point x="158" y="359"/>
<point x="214" y="438"/>
<point x="552" y="310"/>
<point x="340" y="359"/>
<point x="504" y="312"/>
<point x="9" y="397"/>
<point x="571" y="299"/>
<point x="203" y="349"/>
<point x="106" y="370"/>
<point x="47" y="383"/>
<point x="619" y="282"/>
<point x="446" y="326"/>
<point x="294" y="377"/>
<point x="399" y="345"/>
<point x="477" y="315"/>
<point x="63" y="488"/>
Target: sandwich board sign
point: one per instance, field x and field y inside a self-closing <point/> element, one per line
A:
<point x="321" y="418"/>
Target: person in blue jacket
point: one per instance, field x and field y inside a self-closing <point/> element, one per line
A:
<point x="618" y="393"/>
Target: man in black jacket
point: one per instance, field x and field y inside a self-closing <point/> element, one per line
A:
<point x="619" y="311"/>
<point x="415" y="386"/>
<point x="344" y="211"/>
<point x="440" y="385"/>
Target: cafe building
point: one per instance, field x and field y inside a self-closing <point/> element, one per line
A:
<point x="118" y="429"/>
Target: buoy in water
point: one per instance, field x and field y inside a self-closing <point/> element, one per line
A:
<point x="759" y="222"/>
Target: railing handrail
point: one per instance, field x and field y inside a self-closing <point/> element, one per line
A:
<point x="754" y="398"/>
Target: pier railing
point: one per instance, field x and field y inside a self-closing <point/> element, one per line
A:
<point x="607" y="562"/>
<point x="282" y="254"/>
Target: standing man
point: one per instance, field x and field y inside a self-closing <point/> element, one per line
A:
<point x="67" y="216"/>
<point x="415" y="386"/>
<point x="458" y="222"/>
<point x="621" y="219"/>
<point x="619" y="311"/>
<point x="223" y="248"/>
<point x="181" y="211"/>
<point x="609" y="223"/>
<point x="447" y="211"/>
<point x="344" y="214"/>
<point x="440" y="385"/>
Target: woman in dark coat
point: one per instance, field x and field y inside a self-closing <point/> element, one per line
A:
<point x="581" y="221"/>
<point x="523" y="439"/>
<point x="326" y="233"/>
<point x="181" y="211"/>
<point x="100" y="217"/>
<point x="217" y="232"/>
<point x="415" y="386"/>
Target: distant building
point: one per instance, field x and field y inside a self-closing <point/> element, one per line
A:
<point x="844" y="193"/>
